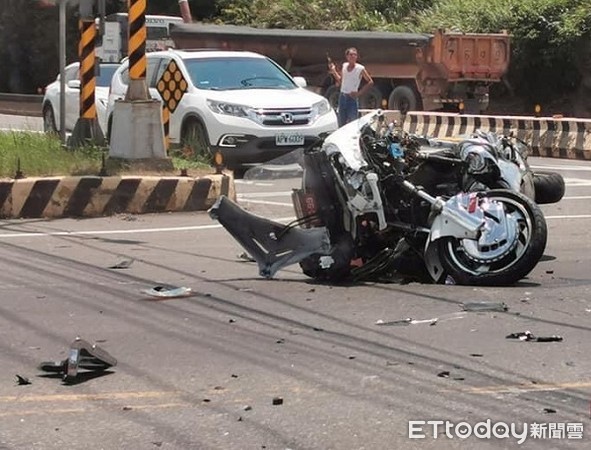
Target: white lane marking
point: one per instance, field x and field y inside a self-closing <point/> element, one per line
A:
<point x="264" y="202"/>
<point x="574" y="168"/>
<point x="136" y="230"/>
<point x="264" y="194"/>
<point x="580" y="197"/>
<point x="188" y="228"/>
<point x="577" y="182"/>
<point x="575" y="216"/>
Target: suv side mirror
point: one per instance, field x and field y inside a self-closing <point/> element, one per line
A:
<point x="74" y="84"/>
<point x="300" y="81"/>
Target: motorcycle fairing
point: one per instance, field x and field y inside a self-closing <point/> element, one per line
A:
<point x="273" y="245"/>
<point x="455" y="220"/>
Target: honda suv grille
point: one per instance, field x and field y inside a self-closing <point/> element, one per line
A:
<point x="286" y="117"/>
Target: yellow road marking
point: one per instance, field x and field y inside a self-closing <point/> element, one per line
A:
<point x="31" y="412"/>
<point x="89" y="397"/>
<point x="522" y="388"/>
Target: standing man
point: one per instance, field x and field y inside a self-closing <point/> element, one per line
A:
<point x="349" y="79"/>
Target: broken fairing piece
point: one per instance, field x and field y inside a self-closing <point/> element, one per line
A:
<point x="124" y="264"/>
<point x="409" y="321"/>
<point x="528" y="336"/>
<point x="272" y="244"/>
<point x="485" y="306"/>
<point x="405" y="322"/>
<point x="82" y="355"/>
<point x="168" y="291"/>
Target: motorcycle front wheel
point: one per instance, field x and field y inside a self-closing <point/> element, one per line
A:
<point x="506" y="261"/>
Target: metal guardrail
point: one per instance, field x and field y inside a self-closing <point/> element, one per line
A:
<point x="21" y="104"/>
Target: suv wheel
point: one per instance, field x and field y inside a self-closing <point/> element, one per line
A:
<point x="49" y="120"/>
<point x="194" y="141"/>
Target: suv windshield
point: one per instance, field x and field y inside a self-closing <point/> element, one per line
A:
<point x="237" y="73"/>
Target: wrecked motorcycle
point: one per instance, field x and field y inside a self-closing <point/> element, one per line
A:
<point x="489" y="161"/>
<point x="373" y="204"/>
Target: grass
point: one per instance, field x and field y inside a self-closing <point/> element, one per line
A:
<point x="42" y="155"/>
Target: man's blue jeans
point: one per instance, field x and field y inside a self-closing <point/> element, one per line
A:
<point x="348" y="109"/>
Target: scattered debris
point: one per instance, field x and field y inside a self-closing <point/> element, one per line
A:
<point x="485" y="306"/>
<point x="277" y="401"/>
<point x="351" y="357"/>
<point x="476" y="355"/>
<point x="549" y="411"/>
<point x="528" y="336"/>
<point x="247" y="408"/>
<point x="280" y="341"/>
<point x="407" y="321"/>
<point x="127" y="408"/>
<point x="22" y="381"/>
<point x="206" y="400"/>
<point x="234" y="375"/>
<point x="431" y="322"/>
<point x="549" y="271"/>
<point x="444" y="374"/>
<point x="81" y="355"/>
<point x="246" y="257"/>
<point x="124" y="264"/>
<point x="168" y="291"/>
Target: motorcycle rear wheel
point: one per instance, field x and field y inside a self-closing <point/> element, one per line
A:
<point x="521" y="256"/>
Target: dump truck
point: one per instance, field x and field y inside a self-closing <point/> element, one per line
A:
<point x="411" y="71"/>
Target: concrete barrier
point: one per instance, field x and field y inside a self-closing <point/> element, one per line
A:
<point x="548" y="136"/>
<point x="91" y="196"/>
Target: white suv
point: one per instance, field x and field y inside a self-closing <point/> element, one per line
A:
<point x="241" y="104"/>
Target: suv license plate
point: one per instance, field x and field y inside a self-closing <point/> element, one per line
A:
<point x="289" y="139"/>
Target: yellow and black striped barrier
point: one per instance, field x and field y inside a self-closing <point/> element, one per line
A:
<point x="138" y="89"/>
<point x="87" y="69"/>
<point x="87" y="130"/>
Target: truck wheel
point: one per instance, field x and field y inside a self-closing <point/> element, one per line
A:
<point x="403" y="99"/>
<point x="549" y="187"/>
<point x="372" y="99"/>
<point x="194" y="141"/>
<point x="332" y="95"/>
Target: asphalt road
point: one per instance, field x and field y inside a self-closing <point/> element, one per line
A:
<point x="202" y="372"/>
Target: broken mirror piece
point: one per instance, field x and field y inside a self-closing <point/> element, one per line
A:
<point x="168" y="291"/>
<point x="485" y="306"/>
<point x="81" y="355"/>
<point x="123" y="264"/>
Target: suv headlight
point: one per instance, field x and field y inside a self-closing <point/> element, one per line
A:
<point x="233" y="109"/>
<point x="320" y="108"/>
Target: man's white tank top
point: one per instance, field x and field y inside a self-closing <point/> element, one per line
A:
<point x="350" y="80"/>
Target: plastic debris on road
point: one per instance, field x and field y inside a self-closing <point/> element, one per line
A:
<point x="124" y="264"/>
<point x="22" y="381"/>
<point x="168" y="291"/>
<point x="485" y="306"/>
<point x="410" y="321"/>
<point x="81" y="355"/>
<point x="529" y="336"/>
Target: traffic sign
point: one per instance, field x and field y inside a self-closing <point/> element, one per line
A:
<point x="172" y="86"/>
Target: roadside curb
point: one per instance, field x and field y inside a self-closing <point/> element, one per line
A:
<point x="93" y="196"/>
